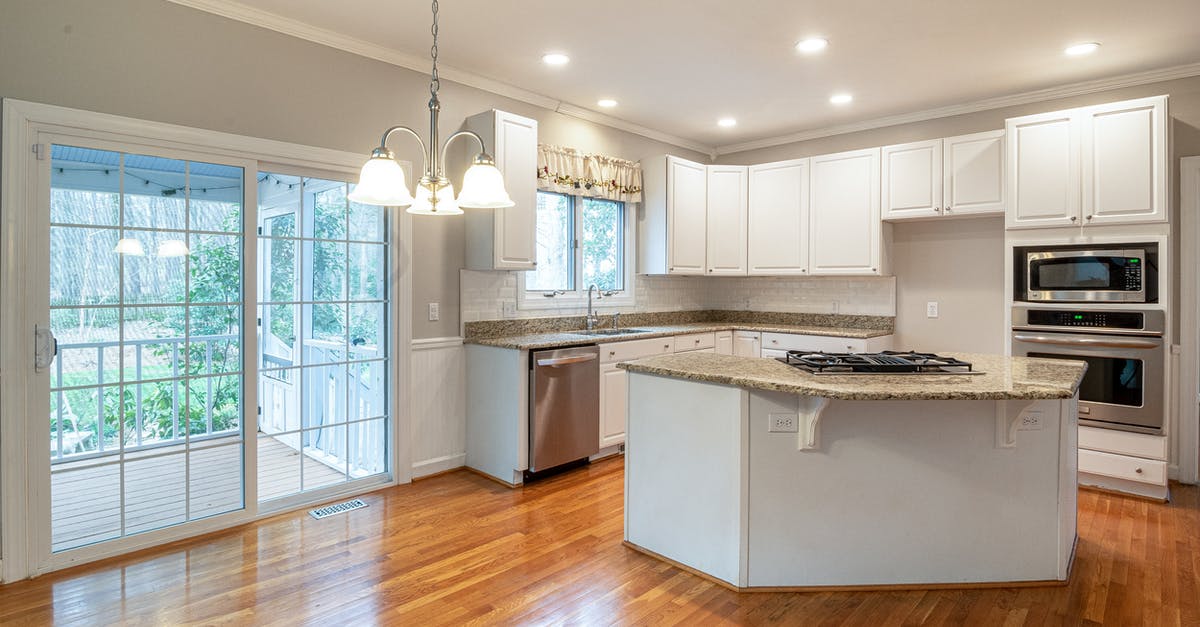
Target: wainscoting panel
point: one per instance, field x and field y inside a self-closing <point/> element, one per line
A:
<point x="439" y="415"/>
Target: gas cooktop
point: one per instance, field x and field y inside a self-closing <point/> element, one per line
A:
<point x="886" y="362"/>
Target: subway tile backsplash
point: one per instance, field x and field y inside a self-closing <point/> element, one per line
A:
<point x="486" y="294"/>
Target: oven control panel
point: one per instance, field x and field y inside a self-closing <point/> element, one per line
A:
<point x="1087" y="319"/>
<point x="1133" y="275"/>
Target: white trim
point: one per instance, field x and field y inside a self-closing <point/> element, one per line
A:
<point x="353" y="45"/>
<point x="436" y="343"/>
<point x="1029" y="97"/>
<point x="439" y="464"/>
<point x="1188" y="393"/>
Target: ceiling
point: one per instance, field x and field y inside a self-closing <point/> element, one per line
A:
<point x="676" y="66"/>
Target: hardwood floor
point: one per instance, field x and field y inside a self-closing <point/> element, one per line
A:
<point x="459" y="549"/>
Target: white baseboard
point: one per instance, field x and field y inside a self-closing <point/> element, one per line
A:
<point x="439" y="464"/>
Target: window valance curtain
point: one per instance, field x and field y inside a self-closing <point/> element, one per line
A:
<point x="569" y="171"/>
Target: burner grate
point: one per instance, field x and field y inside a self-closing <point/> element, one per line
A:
<point x="886" y="362"/>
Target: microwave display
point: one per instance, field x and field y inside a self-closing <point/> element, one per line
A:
<point x="1086" y="275"/>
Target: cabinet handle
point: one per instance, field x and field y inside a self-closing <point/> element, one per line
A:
<point x="666" y="346"/>
<point x="948" y="209"/>
<point x="874" y="269"/>
<point x="1072" y="218"/>
<point x="710" y="269"/>
<point x="803" y="270"/>
<point x="937" y="209"/>
<point x="1138" y="470"/>
<point x="612" y="353"/>
<point x="1089" y="217"/>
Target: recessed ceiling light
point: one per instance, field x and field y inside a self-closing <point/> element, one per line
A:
<point x="840" y="99"/>
<point x="1078" y="50"/>
<point x="812" y="44"/>
<point x="726" y="122"/>
<point x="606" y="103"/>
<point x="555" y="58"/>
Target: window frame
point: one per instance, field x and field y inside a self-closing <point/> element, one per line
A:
<point x="578" y="297"/>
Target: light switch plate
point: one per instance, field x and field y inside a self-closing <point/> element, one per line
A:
<point x="931" y="309"/>
<point x="435" y="311"/>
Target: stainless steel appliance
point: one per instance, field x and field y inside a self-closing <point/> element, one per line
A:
<point x="885" y="362"/>
<point x="564" y="420"/>
<point x="1125" y="353"/>
<point x="1073" y="274"/>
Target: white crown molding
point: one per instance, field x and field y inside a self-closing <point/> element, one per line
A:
<point x="295" y="28"/>
<point x="1030" y="97"/>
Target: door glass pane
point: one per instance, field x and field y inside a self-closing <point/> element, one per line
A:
<point x="555" y="244"/>
<point x="143" y="374"/>
<point x="324" y="304"/>
<point x="1112" y="380"/>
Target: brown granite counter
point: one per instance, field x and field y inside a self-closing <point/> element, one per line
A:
<point x="1004" y="378"/>
<point x="535" y="341"/>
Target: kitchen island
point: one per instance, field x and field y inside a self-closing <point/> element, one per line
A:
<point x="758" y="475"/>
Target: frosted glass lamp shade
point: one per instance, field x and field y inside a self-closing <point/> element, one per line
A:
<point x="173" y="248"/>
<point x="381" y="182"/>
<point x="483" y="188"/>
<point x="446" y="206"/>
<point x="129" y="246"/>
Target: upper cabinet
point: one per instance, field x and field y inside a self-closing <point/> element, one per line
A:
<point x="672" y="224"/>
<point x="778" y="218"/>
<point x="955" y="176"/>
<point x="504" y="239"/>
<point x="727" y="196"/>
<point x="1105" y="164"/>
<point x="846" y="232"/>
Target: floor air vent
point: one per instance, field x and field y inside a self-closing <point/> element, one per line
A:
<point x="332" y="510"/>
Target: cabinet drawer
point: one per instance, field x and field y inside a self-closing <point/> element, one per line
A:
<point x="828" y="344"/>
<point x="1123" y="467"/>
<point x="636" y="349"/>
<point x="1123" y="442"/>
<point x="695" y="341"/>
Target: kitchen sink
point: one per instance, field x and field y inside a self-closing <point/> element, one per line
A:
<point x="609" y="331"/>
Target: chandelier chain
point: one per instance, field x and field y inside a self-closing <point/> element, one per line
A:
<point x="434" y="82"/>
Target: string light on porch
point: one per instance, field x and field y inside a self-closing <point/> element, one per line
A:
<point x="382" y="179"/>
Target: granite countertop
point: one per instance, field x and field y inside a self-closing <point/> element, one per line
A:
<point x="1004" y="378"/>
<point x="535" y="341"/>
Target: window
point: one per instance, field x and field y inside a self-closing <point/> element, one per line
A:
<point x="581" y="241"/>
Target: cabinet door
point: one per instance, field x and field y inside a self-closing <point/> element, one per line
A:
<point x="725" y="343"/>
<point x="845" y="231"/>
<point x="1043" y="170"/>
<point x="778" y="218"/>
<point x="687" y="203"/>
<point x="974" y="174"/>
<point x="516" y="226"/>
<point x="912" y="180"/>
<point x="1124" y="161"/>
<point x="726" y="220"/>
<point x="747" y="344"/>
<point x="614" y="391"/>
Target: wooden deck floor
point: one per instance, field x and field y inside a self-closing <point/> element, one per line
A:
<point x="459" y="549"/>
<point x="166" y="487"/>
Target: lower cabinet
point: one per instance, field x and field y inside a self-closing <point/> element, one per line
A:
<point x="613" y="394"/>
<point x="747" y="343"/>
<point x="724" y="343"/>
<point x="782" y="342"/>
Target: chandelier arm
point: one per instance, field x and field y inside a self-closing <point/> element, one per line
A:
<point x="424" y="150"/>
<point x="450" y="140"/>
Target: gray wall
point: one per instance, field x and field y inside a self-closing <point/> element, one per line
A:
<point x="970" y="289"/>
<point x="154" y="60"/>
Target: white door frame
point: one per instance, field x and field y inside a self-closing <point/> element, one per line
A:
<point x="23" y="122"/>
<point x="1188" y="399"/>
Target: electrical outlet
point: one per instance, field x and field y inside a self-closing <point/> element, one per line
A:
<point x="1031" y="421"/>
<point x="931" y="309"/>
<point x="783" y="423"/>
<point x="509" y="309"/>
<point x="835" y="307"/>
<point x="435" y="311"/>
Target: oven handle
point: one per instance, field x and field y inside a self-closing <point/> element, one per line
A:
<point x="1086" y="341"/>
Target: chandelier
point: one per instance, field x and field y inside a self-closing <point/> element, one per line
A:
<point x="382" y="182"/>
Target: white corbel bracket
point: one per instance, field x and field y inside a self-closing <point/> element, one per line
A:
<point x="1008" y="421"/>
<point x="810" y="410"/>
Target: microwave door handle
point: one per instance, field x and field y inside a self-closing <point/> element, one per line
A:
<point x="1086" y="341"/>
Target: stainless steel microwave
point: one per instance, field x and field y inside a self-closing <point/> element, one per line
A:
<point x="1082" y="276"/>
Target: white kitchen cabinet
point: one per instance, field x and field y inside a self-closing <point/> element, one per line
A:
<point x="1124" y="145"/>
<point x="614" y="392"/>
<point x="911" y="180"/>
<point x="747" y="343"/>
<point x="1105" y="164"/>
<point x="673" y="222"/>
<point x="710" y="350"/>
<point x="505" y="239"/>
<point x="695" y="341"/>
<point x="823" y="343"/>
<point x="777" y="215"/>
<point x="726" y="220"/>
<point x="846" y="231"/>
<point x="724" y="341"/>
<point x="973" y="174"/>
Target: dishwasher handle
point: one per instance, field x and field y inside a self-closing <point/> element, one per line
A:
<point x="566" y="361"/>
<point x="1086" y="341"/>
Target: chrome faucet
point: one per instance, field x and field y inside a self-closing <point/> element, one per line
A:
<point x="592" y="318"/>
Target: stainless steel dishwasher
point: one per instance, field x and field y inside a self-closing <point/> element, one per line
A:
<point x="564" y="408"/>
